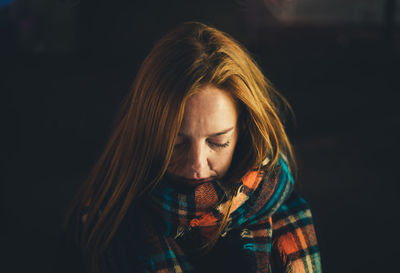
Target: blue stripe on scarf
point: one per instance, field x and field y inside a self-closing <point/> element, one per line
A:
<point x="284" y="184"/>
<point x="317" y="259"/>
<point x="168" y="254"/>
<point x="296" y="203"/>
<point x="257" y="247"/>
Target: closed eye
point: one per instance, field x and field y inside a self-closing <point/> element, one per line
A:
<point x="212" y="144"/>
<point x="218" y="145"/>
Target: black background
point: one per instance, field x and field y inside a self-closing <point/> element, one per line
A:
<point x="66" y="66"/>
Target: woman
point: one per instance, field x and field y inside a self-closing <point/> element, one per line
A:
<point x="196" y="176"/>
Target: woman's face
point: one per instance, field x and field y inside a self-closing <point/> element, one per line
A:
<point x="207" y="137"/>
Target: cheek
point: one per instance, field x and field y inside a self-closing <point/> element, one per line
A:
<point x="222" y="160"/>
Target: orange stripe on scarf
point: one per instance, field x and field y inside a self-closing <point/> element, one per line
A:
<point x="252" y="179"/>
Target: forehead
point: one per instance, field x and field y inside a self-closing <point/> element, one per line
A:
<point x="209" y="111"/>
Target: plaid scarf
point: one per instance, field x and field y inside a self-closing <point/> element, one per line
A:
<point x="274" y="224"/>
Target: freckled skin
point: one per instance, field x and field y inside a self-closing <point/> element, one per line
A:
<point x="199" y="153"/>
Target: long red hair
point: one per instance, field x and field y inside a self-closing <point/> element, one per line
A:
<point x="139" y="150"/>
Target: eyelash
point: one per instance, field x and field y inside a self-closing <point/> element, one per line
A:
<point x="216" y="145"/>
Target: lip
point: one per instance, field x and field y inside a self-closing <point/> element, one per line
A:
<point x="194" y="181"/>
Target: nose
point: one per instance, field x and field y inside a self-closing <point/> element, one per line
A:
<point x="197" y="166"/>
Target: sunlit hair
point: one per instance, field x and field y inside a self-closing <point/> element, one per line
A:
<point x="140" y="147"/>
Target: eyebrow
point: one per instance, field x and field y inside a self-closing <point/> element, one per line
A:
<point x="215" y="134"/>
